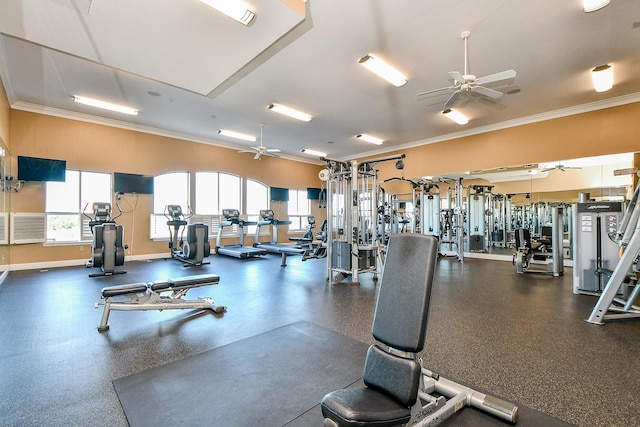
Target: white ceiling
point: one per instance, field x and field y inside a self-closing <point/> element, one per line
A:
<point x="191" y="71"/>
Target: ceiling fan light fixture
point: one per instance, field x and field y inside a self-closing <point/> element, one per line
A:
<point x="593" y="5"/>
<point x="105" y="105"/>
<point x="602" y="78"/>
<point x="314" y="152"/>
<point x="370" y="139"/>
<point x="384" y="70"/>
<point x="237" y="10"/>
<point x="288" y="111"/>
<point x="237" y="135"/>
<point x="456" y="116"/>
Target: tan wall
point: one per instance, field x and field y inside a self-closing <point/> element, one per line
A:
<point x="5" y="112"/>
<point x="610" y="131"/>
<point x="92" y="147"/>
<point x="98" y="148"/>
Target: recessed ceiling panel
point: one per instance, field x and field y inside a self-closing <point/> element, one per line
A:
<point x="184" y="43"/>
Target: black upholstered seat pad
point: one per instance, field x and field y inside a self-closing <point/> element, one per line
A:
<point x="364" y="407"/>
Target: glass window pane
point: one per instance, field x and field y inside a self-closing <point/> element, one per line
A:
<point x="230" y="192"/>
<point x="170" y="189"/>
<point x="94" y="187"/>
<point x="63" y="228"/>
<point x="63" y="196"/>
<point x="207" y="193"/>
<point x="257" y="197"/>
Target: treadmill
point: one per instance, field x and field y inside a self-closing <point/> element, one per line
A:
<point x="231" y="218"/>
<point x="268" y="219"/>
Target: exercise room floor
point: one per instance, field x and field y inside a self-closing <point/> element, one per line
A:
<point x="519" y="337"/>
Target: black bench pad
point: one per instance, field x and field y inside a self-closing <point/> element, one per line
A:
<point x="186" y="282"/>
<point x="114" y="291"/>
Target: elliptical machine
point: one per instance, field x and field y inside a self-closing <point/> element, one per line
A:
<point x="107" y="249"/>
<point x="197" y="246"/>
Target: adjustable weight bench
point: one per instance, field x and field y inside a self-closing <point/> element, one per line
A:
<point x="398" y="390"/>
<point x="149" y="296"/>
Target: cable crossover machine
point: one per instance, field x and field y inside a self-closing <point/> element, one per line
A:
<point x="352" y="217"/>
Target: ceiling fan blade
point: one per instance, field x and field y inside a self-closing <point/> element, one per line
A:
<point x="486" y="92"/>
<point x="271" y="154"/>
<point x="436" y="90"/>
<point x="503" y="75"/>
<point x="452" y="99"/>
<point x="455" y="75"/>
<point x="273" y="150"/>
<point x="257" y="156"/>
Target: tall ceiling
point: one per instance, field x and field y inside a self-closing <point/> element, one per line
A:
<point x="191" y="71"/>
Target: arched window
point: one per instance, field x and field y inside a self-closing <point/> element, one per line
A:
<point x="171" y="189"/>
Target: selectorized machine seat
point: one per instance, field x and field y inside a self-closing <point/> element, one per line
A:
<point x="398" y="389"/>
<point x="392" y="370"/>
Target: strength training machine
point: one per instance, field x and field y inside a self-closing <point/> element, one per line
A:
<point x="354" y="245"/>
<point x="617" y="300"/>
<point x="529" y="252"/>
<point x="398" y="389"/>
<point x="149" y="296"/>
<point x="197" y="246"/>
<point x="107" y="249"/>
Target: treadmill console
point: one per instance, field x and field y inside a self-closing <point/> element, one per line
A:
<point x="231" y="214"/>
<point x="267" y="215"/>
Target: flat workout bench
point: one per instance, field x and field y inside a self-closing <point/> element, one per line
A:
<point x="148" y="296"/>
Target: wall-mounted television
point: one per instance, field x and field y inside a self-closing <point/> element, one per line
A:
<point x="279" y="194"/>
<point x="38" y="169"/>
<point x="313" y="193"/>
<point x="132" y="183"/>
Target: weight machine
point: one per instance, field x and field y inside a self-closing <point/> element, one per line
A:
<point x="107" y="249"/>
<point x="624" y="278"/>
<point x="478" y="198"/>
<point x="546" y="251"/>
<point x="352" y="217"/>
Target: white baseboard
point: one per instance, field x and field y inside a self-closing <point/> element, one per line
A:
<point x="75" y="262"/>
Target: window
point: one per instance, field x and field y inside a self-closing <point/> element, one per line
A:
<point x="298" y="209"/>
<point x="216" y="191"/>
<point x="257" y="199"/>
<point x="65" y="202"/>
<point x="171" y="189"/>
<point x="168" y="189"/>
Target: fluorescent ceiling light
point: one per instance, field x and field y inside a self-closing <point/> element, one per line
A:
<point x="593" y="5"/>
<point x="384" y="70"/>
<point x="602" y="77"/>
<point x="314" y="153"/>
<point x="105" y="105"/>
<point x="235" y="9"/>
<point x="369" y="138"/>
<point x="456" y="116"/>
<point x="237" y="135"/>
<point x="287" y="111"/>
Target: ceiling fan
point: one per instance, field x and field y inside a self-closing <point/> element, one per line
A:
<point x="559" y="167"/>
<point x="468" y="83"/>
<point x="262" y="150"/>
